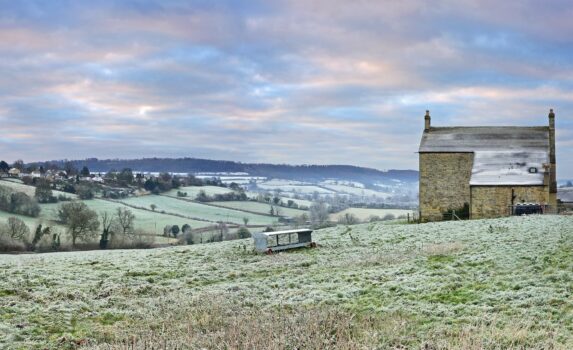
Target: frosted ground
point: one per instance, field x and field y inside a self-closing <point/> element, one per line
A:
<point x="503" y="283"/>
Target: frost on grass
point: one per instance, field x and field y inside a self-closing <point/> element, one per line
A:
<point x="477" y="284"/>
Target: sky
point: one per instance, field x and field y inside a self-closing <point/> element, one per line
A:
<point x="299" y="81"/>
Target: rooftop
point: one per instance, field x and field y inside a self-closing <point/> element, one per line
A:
<point x="485" y="138"/>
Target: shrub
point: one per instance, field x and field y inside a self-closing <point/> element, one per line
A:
<point x="84" y="192"/>
<point x="243" y="232"/>
<point x="389" y="217"/>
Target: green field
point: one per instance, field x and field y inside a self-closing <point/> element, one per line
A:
<point x="197" y="210"/>
<point x="494" y="284"/>
<point x="258" y="207"/>
<point x="364" y="214"/>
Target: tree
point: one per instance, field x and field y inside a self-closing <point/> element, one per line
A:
<point x="70" y="169"/>
<point x="167" y="230"/>
<point x="17" y="229"/>
<point x="185" y="228"/>
<point x="246" y="221"/>
<point x="81" y="222"/>
<point x="318" y="213"/>
<point x="43" y="192"/>
<point x="106" y="222"/>
<point x="150" y="185"/>
<point x="84" y="192"/>
<point x="4" y="167"/>
<point x="202" y="196"/>
<point x="19" y="164"/>
<point x="175" y="230"/>
<point x="125" y="177"/>
<point x="38" y="236"/>
<point x="301" y="220"/>
<point x="348" y="219"/>
<point x="85" y="171"/>
<point x="153" y="207"/>
<point x="125" y="219"/>
<point x="21" y="203"/>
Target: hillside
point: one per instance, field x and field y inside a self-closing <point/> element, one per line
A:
<point x="282" y="171"/>
<point x="503" y="283"/>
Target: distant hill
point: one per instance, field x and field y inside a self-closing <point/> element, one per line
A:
<point x="283" y="171"/>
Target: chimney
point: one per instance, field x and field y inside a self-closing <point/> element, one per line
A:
<point x="427" y="121"/>
<point x="552" y="161"/>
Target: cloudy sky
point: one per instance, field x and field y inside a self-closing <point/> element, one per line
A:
<point x="301" y="81"/>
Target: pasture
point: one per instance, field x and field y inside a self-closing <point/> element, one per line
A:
<point x="193" y="191"/>
<point x="257" y="207"/>
<point x="363" y="214"/>
<point x="496" y="284"/>
<point x="18" y="186"/>
<point x="301" y="189"/>
<point x="197" y="210"/>
<point x="145" y="219"/>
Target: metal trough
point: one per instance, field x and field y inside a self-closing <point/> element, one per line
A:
<point x="269" y="242"/>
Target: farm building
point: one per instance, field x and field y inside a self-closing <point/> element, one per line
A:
<point x="487" y="171"/>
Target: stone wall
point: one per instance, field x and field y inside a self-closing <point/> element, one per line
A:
<point x="444" y="183"/>
<point x="494" y="201"/>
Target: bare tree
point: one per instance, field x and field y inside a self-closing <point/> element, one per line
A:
<point x="318" y="213"/>
<point x="107" y="232"/>
<point x="125" y="219"/>
<point x="17" y="229"/>
<point x="81" y="222"/>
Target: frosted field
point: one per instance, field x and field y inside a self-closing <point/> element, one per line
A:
<point x="302" y="189"/>
<point x="365" y="213"/>
<point x="258" y="207"/>
<point x="197" y="210"/>
<point x="31" y="222"/>
<point x="356" y="191"/>
<point x="150" y="221"/>
<point x="496" y="284"/>
<point x="31" y="190"/>
<point x="193" y="191"/>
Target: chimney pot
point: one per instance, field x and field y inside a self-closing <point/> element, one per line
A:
<point x="427" y="121"/>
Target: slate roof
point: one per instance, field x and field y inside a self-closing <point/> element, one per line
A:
<point x="485" y="138"/>
<point x="503" y="155"/>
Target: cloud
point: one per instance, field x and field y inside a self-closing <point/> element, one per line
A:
<point x="286" y="81"/>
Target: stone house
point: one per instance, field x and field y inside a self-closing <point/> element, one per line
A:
<point x="491" y="170"/>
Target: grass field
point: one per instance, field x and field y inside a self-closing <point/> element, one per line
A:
<point x="302" y="189"/>
<point x="152" y="222"/>
<point x="193" y="191"/>
<point x="30" y="190"/>
<point x="197" y="210"/>
<point x="364" y="213"/>
<point x="31" y="222"/>
<point x="258" y="207"/>
<point x="356" y="191"/>
<point x="494" y="284"/>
